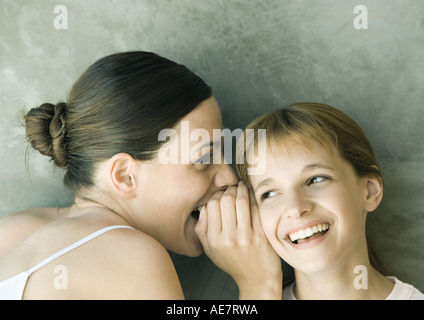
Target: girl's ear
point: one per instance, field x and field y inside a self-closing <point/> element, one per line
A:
<point x="373" y="193"/>
<point x="122" y="175"/>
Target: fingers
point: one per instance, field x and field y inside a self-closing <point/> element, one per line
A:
<point x="214" y="215"/>
<point x="243" y="208"/>
<point x="231" y="234"/>
<point x="254" y="212"/>
<point x="228" y="209"/>
<point x="202" y="224"/>
<point x="202" y="227"/>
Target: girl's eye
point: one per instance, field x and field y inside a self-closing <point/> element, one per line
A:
<point x="316" y="179"/>
<point x="267" y="195"/>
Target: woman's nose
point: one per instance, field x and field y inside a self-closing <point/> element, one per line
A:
<point x="296" y="204"/>
<point x="225" y="176"/>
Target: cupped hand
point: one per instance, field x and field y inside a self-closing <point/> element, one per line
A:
<point x="231" y="234"/>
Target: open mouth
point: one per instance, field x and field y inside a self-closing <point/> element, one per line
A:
<point x="196" y="212"/>
<point x="308" y="234"/>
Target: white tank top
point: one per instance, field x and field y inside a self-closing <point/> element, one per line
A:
<point x="13" y="288"/>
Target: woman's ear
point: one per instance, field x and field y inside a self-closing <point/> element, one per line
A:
<point x="373" y="192"/>
<point x="122" y="174"/>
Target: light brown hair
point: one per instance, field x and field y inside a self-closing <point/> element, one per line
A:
<point x="307" y="121"/>
<point x="330" y="127"/>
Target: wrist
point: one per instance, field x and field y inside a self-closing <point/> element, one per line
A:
<point x="267" y="289"/>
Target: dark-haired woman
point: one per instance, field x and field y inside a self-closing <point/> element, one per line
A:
<point x="130" y="207"/>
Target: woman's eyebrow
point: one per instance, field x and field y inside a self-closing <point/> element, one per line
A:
<point x="314" y="166"/>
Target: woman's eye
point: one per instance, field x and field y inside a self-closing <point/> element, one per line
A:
<point x="267" y="195"/>
<point x="206" y="159"/>
<point x="316" y="179"/>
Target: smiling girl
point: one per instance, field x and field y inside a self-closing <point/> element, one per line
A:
<point x="321" y="179"/>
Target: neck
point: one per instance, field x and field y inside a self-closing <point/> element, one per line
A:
<point x="84" y="204"/>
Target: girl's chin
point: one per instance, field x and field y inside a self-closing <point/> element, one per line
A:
<point x="308" y="261"/>
<point x="311" y="261"/>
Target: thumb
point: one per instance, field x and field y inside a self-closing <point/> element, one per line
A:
<point x="201" y="228"/>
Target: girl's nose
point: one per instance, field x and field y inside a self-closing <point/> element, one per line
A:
<point x="296" y="204"/>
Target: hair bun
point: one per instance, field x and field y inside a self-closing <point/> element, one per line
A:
<point x="45" y="128"/>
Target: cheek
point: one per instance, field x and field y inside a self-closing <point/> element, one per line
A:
<point x="338" y="200"/>
<point x="269" y="223"/>
<point x="345" y="205"/>
<point x="182" y="183"/>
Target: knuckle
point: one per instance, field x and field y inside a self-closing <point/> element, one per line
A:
<point x="243" y="197"/>
<point x="218" y="194"/>
<point x="213" y="202"/>
<point x="213" y="246"/>
<point x="230" y="241"/>
<point x="242" y="202"/>
<point x="227" y="199"/>
<point x="245" y="242"/>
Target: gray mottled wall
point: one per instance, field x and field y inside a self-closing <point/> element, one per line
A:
<point x="257" y="55"/>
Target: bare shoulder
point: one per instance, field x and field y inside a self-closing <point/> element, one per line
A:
<point x="29" y="217"/>
<point x="128" y="264"/>
<point x="119" y="264"/>
<point x="41" y="213"/>
<point x="16" y="227"/>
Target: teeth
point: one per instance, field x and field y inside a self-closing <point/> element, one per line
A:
<point x="199" y="208"/>
<point x="305" y="233"/>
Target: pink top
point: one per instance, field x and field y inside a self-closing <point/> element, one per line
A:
<point x="401" y="291"/>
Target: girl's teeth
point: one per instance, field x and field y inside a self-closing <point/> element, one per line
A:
<point x="305" y="233"/>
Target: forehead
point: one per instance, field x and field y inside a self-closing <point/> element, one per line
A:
<point x="290" y="156"/>
<point x="192" y="136"/>
<point x="206" y="115"/>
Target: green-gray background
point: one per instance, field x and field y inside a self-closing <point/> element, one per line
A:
<point x="257" y="55"/>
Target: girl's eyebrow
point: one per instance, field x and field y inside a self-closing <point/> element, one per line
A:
<point x="314" y="166"/>
<point x="264" y="183"/>
<point x="309" y="167"/>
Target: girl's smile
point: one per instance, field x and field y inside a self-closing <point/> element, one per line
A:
<point x="321" y="180"/>
<point x="307" y="235"/>
<point x="310" y="200"/>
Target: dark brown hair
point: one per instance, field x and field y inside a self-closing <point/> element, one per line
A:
<point x="119" y="104"/>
